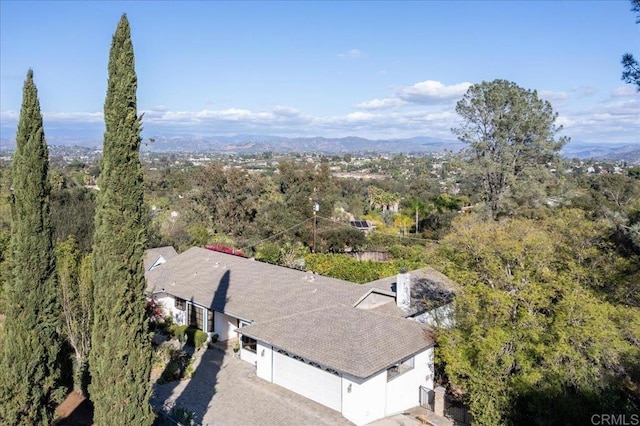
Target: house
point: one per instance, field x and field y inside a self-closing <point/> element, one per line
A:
<point x="357" y="349"/>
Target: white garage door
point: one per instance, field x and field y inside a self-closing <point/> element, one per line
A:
<point x="307" y="380"/>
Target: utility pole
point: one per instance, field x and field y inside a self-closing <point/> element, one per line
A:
<point x="316" y="207"/>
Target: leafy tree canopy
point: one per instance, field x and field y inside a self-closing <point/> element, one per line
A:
<point x="511" y="138"/>
<point x="530" y="333"/>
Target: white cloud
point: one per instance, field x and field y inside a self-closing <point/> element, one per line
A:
<point x="563" y="120"/>
<point x="360" y="116"/>
<point x="606" y="122"/>
<point x="624" y="91"/>
<point x="584" y="91"/>
<point x="423" y="109"/>
<point x="431" y="91"/>
<point x="352" y="54"/>
<point x="9" y="115"/>
<point x="10" y="118"/>
<point x="380" y="103"/>
<point x="552" y="96"/>
<point x="84" y="117"/>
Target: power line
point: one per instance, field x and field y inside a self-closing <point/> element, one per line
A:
<point x="335" y="222"/>
<point x="379" y="232"/>
<point x="279" y="233"/>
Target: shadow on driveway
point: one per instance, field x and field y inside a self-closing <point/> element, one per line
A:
<point x="240" y="398"/>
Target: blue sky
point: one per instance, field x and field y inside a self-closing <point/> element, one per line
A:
<point x="370" y="69"/>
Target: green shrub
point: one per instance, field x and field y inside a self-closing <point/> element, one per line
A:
<point x="178" y="331"/>
<point x="196" y="337"/>
<point x="214" y="337"/>
<point x="177" y="416"/>
<point x="200" y="339"/>
<point x="172" y="371"/>
<point x="164" y="325"/>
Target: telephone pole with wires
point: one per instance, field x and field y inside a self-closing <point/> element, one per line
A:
<point x="316" y="208"/>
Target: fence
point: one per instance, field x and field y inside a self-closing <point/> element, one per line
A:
<point x="374" y="256"/>
<point x="458" y="414"/>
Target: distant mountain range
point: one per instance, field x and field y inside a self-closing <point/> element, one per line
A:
<point x="257" y="143"/>
<point x="251" y="144"/>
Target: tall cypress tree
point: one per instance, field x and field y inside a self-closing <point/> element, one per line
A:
<point x="120" y="356"/>
<point x="29" y="368"/>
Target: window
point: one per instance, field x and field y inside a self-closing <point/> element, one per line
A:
<point x="210" y="316"/>
<point x="195" y="316"/>
<point x="180" y="304"/>
<point x="399" y="369"/>
<point x="249" y="344"/>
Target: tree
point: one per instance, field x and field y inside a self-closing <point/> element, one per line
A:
<point x="72" y="213"/>
<point x="531" y="343"/>
<point x="510" y="134"/>
<point x="337" y="240"/>
<point x="120" y="356"/>
<point x="31" y="347"/>
<point x="403" y="222"/>
<point x="630" y="67"/>
<point x="417" y="206"/>
<point x="75" y="281"/>
<point x="231" y="198"/>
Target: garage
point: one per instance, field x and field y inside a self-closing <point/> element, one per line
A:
<point x="307" y="379"/>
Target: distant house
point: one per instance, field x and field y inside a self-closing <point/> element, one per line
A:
<point x="362" y="350"/>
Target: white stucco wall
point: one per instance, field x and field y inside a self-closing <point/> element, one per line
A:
<point x="311" y="382"/>
<point x="363" y="401"/>
<point x="169" y="308"/>
<point x="224" y="325"/>
<point x="264" y="362"/>
<point x="360" y="401"/>
<point x="248" y="356"/>
<point x="403" y="391"/>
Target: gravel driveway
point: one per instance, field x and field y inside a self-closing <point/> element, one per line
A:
<point x="224" y="391"/>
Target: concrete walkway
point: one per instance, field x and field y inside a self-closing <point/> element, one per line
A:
<point x="224" y="391"/>
<point x="416" y="416"/>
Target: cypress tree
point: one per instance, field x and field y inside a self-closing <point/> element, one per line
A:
<point x="29" y="368"/>
<point x="120" y="356"/>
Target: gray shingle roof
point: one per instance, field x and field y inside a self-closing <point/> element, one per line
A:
<point x="426" y="283"/>
<point x="152" y="255"/>
<point x="246" y="288"/>
<point x="309" y="316"/>
<point x="354" y="341"/>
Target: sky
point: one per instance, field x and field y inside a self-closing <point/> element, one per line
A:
<point x="372" y="69"/>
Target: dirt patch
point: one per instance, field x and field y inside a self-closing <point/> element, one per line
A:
<point x="75" y="410"/>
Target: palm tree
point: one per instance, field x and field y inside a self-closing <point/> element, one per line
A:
<point x="417" y="206"/>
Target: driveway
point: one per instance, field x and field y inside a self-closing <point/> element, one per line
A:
<point x="225" y="391"/>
